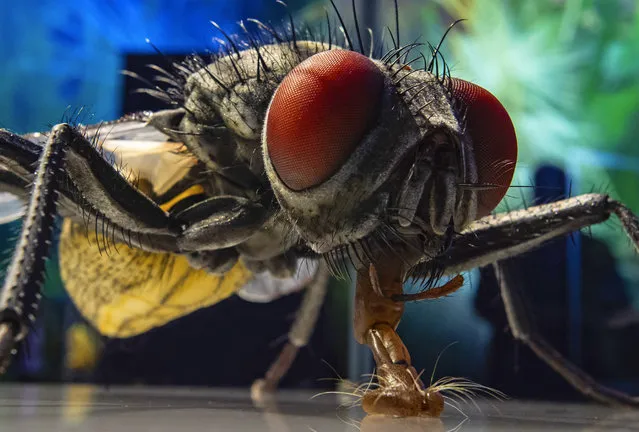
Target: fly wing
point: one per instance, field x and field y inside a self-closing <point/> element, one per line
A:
<point x="139" y="150"/>
<point x="11" y="208"/>
<point x="145" y="152"/>
<point x="264" y="287"/>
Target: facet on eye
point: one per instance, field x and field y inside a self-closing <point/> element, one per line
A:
<point x="493" y="139"/>
<point x="318" y="115"/>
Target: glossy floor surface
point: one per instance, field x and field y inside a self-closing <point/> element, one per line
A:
<point x="84" y="408"/>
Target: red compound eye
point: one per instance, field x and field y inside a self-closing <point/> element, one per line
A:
<point x="319" y="114"/>
<point x="493" y="136"/>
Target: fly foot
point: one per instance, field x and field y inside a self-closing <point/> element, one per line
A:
<point x="263" y="392"/>
<point x="7" y="344"/>
<point x="401" y="394"/>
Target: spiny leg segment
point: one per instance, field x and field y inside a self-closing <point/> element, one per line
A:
<point x="20" y="294"/>
<point x="91" y="192"/>
<point x="97" y="193"/>
<point x="506" y="235"/>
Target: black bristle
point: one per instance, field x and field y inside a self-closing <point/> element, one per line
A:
<point x="293" y="40"/>
<point x="359" y="36"/>
<point x="226" y="36"/>
<point x="330" y="31"/>
<point x="397" y="22"/>
<point x="341" y="20"/>
<point x="441" y="41"/>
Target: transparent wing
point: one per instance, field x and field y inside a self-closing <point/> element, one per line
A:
<point x="147" y="153"/>
<point x="140" y="149"/>
<point x="264" y="288"/>
<point x="11" y="208"/>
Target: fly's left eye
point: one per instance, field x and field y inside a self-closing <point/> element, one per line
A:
<point x="319" y="114"/>
<point x="494" y="141"/>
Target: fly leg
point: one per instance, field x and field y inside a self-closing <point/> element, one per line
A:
<point x="523" y="328"/>
<point x="20" y="293"/>
<point x="298" y="336"/>
<point x="377" y="314"/>
<point x="505" y="235"/>
<point x="92" y="191"/>
<point x="494" y="239"/>
<point x="95" y="192"/>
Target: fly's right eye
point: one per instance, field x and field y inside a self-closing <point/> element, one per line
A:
<point x="319" y="114"/>
<point x="494" y="141"/>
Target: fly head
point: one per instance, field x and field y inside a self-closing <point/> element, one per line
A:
<point x="359" y="149"/>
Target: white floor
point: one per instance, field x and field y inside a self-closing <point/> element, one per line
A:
<point x="31" y="408"/>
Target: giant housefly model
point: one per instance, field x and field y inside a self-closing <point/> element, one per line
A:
<point x="285" y="148"/>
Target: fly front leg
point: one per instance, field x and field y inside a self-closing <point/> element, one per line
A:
<point x="92" y="191"/>
<point x="505" y="235"/>
<point x="378" y="311"/>
<point x="495" y="239"/>
<point x="20" y="294"/>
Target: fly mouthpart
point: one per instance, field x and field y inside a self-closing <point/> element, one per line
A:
<point x="428" y="192"/>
